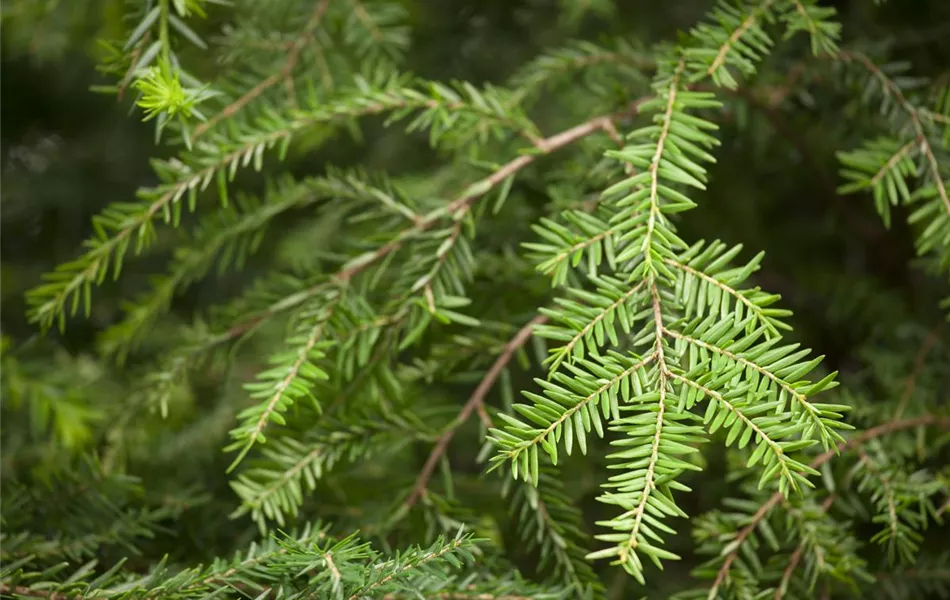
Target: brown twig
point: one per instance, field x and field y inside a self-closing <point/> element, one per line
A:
<point x="720" y="60"/>
<point x="911" y="383"/>
<point x="857" y="441"/>
<point x="285" y="73"/>
<point x="475" y="401"/>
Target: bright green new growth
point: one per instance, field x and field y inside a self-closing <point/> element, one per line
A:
<point x="693" y="338"/>
<point x="655" y="350"/>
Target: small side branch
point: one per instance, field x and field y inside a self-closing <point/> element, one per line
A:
<point x="913" y="113"/>
<point x="855" y="442"/>
<point x="285" y="73"/>
<point x="475" y="402"/>
<point x="797" y="556"/>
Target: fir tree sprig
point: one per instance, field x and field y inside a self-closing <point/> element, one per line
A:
<point x="596" y="62"/>
<point x="903" y="500"/>
<point x="824" y="549"/>
<point x="285" y="382"/>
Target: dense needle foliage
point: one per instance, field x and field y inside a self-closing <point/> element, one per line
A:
<point x="475" y="299"/>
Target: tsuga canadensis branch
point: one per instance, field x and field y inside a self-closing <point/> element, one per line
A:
<point x="27" y="592"/>
<point x="720" y="60"/>
<point x="472" y="193"/>
<point x="797" y="556"/>
<point x="913" y="113"/>
<point x="650" y="476"/>
<point x="420" y="561"/>
<point x="851" y="444"/>
<point x="285" y="73"/>
<point x="478" y="189"/>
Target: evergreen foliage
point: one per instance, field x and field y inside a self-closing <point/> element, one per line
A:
<point x="315" y="396"/>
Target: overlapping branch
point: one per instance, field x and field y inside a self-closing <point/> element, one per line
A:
<point x="849" y="445"/>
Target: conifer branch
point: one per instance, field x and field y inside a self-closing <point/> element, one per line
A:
<point x="273" y="488"/>
<point x="913" y="113"/>
<point x="567" y="415"/>
<point x="788" y="476"/>
<point x="731" y="37"/>
<point x="344" y="568"/>
<point x="898" y="157"/>
<point x="797" y="556"/>
<point x="851" y="444"/>
<point x="549" y="521"/>
<point x="420" y="224"/>
<point x="286" y="385"/>
<point x="763" y="314"/>
<point x="649" y="479"/>
<point x="750" y="21"/>
<point x="654" y="169"/>
<point x="286" y="72"/>
<point x="577" y="56"/>
<point x="397" y="568"/>
<point x="887" y="490"/>
<point x="475" y="191"/>
<point x="814" y="415"/>
<point x="220" y="236"/>
<point x="655" y="344"/>
<point x="116" y="229"/>
<point x="567" y="351"/>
